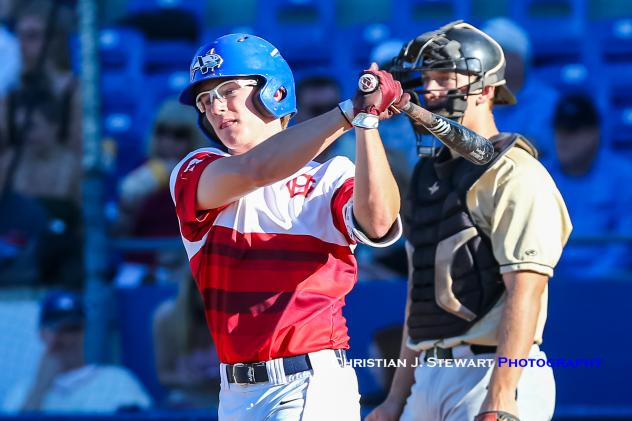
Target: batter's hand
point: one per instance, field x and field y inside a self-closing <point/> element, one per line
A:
<point x="377" y="91"/>
<point x="495" y="416"/>
<point x="386" y="411"/>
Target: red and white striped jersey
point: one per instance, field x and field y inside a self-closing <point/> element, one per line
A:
<point x="274" y="266"/>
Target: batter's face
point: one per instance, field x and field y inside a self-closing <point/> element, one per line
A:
<point x="235" y="120"/>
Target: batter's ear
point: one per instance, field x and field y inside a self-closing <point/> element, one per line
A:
<point x="280" y="94"/>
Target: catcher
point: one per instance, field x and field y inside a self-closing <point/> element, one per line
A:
<point x="482" y="242"/>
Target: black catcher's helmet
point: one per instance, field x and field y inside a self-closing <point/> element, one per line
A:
<point x="460" y="48"/>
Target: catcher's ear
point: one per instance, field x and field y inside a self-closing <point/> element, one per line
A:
<point x="487" y="94"/>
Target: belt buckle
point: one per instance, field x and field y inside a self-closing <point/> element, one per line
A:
<point x="250" y="374"/>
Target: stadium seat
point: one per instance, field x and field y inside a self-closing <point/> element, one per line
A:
<point x="578" y="311"/>
<point x="553" y="47"/>
<point x="621" y="129"/>
<point x="390" y="296"/>
<point x="124" y="147"/>
<point x="226" y="13"/>
<point x="196" y="7"/>
<point x="160" y="86"/>
<point x="613" y="44"/>
<point x="413" y="17"/>
<point x="165" y="56"/>
<point x="136" y="307"/>
<point x="121" y="51"/>
<point x="301" y="29"/>
<point x="564" y="77"/>
<point x="360" y="40"/>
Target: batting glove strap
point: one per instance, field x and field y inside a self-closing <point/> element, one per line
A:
<point x="346" y="108"/>
<point x="366" y="121"/>
<point x="496" y="416"/>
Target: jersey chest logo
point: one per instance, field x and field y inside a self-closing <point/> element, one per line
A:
<point x="301" y="185"/>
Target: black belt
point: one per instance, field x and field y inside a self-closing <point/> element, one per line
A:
<point x="251" y="373"/>
<point x="446" y="353"/>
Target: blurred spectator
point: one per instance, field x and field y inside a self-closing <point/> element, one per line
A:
<point x="145" y="205"/>
<point x="45" y="71"/>
<point x="145" y="208"/>
<point x="532" y="115"/>
<point x="63" y="381"/>
<point x="596" y="186"/>
<point x="186" y="360"/>
<point x="315" y="95"/>
<point x="41" y="202"/>
<point x="46" y="167"/>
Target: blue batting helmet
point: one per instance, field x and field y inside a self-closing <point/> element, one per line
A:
<point x="244" y="55"/>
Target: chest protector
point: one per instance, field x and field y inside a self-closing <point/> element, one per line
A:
<point x="456" y="279"/>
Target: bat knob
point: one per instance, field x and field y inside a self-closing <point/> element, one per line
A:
<point x="368" y="83"/>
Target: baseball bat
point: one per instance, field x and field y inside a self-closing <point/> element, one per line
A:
<point x="470" y="145"/>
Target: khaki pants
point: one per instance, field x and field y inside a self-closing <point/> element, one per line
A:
<point x="457" y="393"/>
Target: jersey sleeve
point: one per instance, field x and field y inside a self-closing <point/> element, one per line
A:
<point x="342" y="210"/>
<point x="183" y="185"/>
<point x="519" y="206"/>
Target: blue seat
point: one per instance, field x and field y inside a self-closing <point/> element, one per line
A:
<point x="359" y="40"/>
<point x="565" y="76"/>
<point x="562" y="45"/>
<point x="372" y="306"/>
<point x="161" y="86"/>
<point x="410" y="18"/>
<point x="136" y="307"/>
<point x="121" y="55"/>
<point x="615" y="40"/>
<point x="302" y="30"/>
<point x="196" y="7"/>
<point x="612" y="41"/>
<point x="125" y="147"/>
<point x="583" y="317"/>
<point x="121" y="51"/>
<point x="164" y="56"/>
<point x="620" y="127"/>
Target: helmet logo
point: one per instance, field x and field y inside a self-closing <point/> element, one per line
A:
<point x="208" y="61"/>
<point x="368" y="82"/>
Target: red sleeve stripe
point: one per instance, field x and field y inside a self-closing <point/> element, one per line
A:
<point x="193" y="224"/>
<point x="341" y="197"/>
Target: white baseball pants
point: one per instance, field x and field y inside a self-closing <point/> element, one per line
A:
<point x="327" y="392"/>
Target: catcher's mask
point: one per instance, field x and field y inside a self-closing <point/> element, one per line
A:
<point x="456" y="48"/>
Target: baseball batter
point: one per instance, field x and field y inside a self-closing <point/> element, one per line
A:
<point x="270" y="234"/>
<point x="482" y="243"/>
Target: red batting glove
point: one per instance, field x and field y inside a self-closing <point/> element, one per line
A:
<point x="377" y="90"/>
